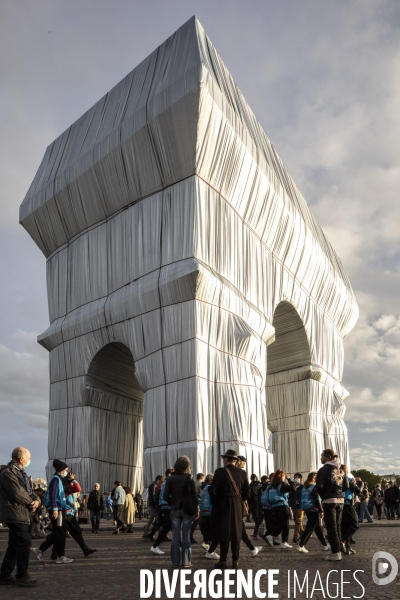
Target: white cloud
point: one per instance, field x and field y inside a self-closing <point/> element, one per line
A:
<point x="24" y="382"/>
<point x="371" y="429"/>
<point x="370" y="458"/>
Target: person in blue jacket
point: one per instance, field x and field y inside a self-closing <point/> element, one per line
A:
<point x="311" y="504"/>
<point x="165" y="516"/>
<point x="277" y="498"/>
<point x="57" y="506"/>
<point x="205" y="512"/>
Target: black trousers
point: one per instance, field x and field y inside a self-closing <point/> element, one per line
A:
<point x="253" y="509"/>
<point x="312" y="525"/>
<point x="258" y="522"/>
<point x="269" y="520"/>
<point x="194" y="526"/>
<point x="235" y="548"/>
<point x="18" y="550"/>
<point x="205" y="528"/>
<point x="76" y="532"/>
<point x="245" y="538"/>
<point x="349" y="523"/>
<point x="281" y="525"/>
<point x="95" y="519"/>
<point x="165" y="527"/>
<point x="379" y="510"/>
<point x="57" y="537"/>
<point x="333" y="521"/>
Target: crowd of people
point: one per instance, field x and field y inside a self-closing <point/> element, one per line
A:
<point x="218" y="503"/>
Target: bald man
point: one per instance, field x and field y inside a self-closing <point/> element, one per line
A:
<point x="17" y="502"/>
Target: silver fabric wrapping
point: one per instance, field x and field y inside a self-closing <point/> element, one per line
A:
<point x="178" y="247"/>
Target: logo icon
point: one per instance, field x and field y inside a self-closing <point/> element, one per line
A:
<point x="380" y="565"/>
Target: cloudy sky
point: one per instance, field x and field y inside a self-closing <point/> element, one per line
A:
<point x="322" y="78"/>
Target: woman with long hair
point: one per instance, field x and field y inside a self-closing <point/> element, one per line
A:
<point x="277" y="498"/>
<point x="311" y="504"/>
<point x="178" y="485"/>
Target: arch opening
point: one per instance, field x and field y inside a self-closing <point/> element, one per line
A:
<point x="291" y="348"/>
<point x="112" y="370"/>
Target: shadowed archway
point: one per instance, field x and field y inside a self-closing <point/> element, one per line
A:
<point x="116" y="424"/>
<point x="288" y="394"/>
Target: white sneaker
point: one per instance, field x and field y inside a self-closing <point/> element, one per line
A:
<point x="156" y="550"/>
<point x="285" y="546"/>
<point x="205" y="546"/>
<point x="334" y="557"/>
<point x="302" y="549"/>
<point x="212" y="555"/>
<point x="256" y="550"/>
<point x="39" y="554"/>
<point x="326" y="548"/>
<point x="270" y="540"/>
<point x="63" y="560"/>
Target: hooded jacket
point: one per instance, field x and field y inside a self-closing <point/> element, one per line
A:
<point x="332" y="482"/>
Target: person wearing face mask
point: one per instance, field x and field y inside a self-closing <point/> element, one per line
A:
<point x="17" y="502"/>
<point x="57" y="505"/>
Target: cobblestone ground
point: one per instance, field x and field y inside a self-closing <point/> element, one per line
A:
<point x="114" y="571"/>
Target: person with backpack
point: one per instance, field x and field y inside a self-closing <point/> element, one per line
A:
<point x="180" y="494"/>
<point x="331" y="483"/>
<point x="311" y="504"/>
<point x="295" y="505"/>
<point x="364" y="501"/>
<point x="277" y="497"/>
<point x="260" y="507"/>
<point x="205" y="512"/>
<point x="349" y="524"/>
<point x="165" y="515"/>
<point x="56" y="503"/>
<point x="72" y="491"/>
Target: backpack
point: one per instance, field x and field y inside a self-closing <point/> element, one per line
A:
<point x="46" y="499"/>
<point x="307" y="501"/>
<point x="205" y="503"/>
<point x="264" y="499"/>
<point x="276" y="497"/>
<point x="189" y="501"/>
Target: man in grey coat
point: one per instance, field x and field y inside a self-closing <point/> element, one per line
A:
<point x="17" y="502"/>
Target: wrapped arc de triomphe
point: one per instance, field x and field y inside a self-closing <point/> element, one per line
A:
<point x="195" y="303"/>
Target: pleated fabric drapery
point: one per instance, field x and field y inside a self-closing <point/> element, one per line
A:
<point x="178" y="244"/>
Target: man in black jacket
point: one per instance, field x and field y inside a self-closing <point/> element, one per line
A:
<point x="331" y="483"/>
<point x="226" y="515"/>
<point x="96" y="507"/>
<point x="253" y="501"/>
<point x="17" y="501"/>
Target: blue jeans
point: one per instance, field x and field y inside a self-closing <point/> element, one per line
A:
<point x="364" y="513"/>
<point x="179" y="520"/>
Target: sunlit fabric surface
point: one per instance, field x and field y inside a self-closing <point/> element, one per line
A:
<point x="178" y="248"/>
